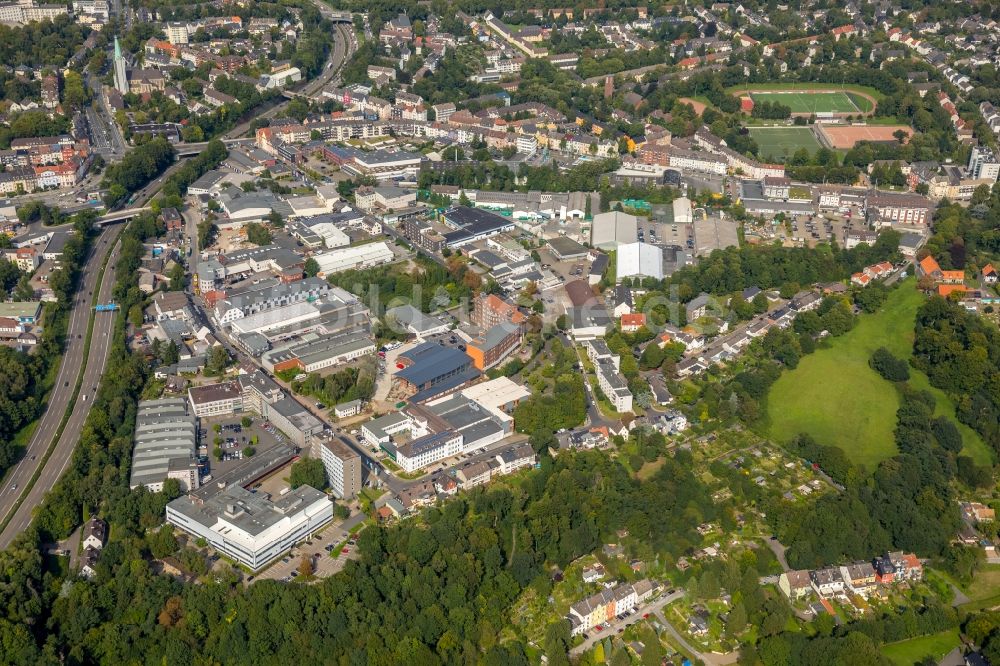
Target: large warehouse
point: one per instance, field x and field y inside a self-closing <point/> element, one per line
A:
<point x="610" y="230"/>
<point x="164" y="445"/>
<point x="640" y="260"/>
<point x="472" y="224"/>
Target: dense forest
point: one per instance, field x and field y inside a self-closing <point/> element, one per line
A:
<point x="137" y="168"/>
<point x="42" y="42"/>
<point x="427" y="591"/>
<point x="961" y="354"/>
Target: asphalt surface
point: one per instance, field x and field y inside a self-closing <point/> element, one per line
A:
<point x="75" y="352"/>
<point x="87" y="296"/>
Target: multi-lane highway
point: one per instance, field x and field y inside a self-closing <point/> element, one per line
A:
<point x="74" y="356"/>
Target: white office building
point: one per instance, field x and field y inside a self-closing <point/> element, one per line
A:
<point x="983" y="165"/>
<point x="251" y="528"/>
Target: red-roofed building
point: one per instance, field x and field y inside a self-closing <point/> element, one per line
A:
<point x="946" y="290"/>
<point x="953" y="277"/>
<point x="842" y="31"/>
<point x="490" y="310"/>
<point x="633" y="322"/>
<point x="929" y="266"/>
<point x="990" y="274"/>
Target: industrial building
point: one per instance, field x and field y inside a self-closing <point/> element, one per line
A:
<point x="639" y="260"/>
<point x="472" y="224"/>
<point x="609" y="230"/>
<point x="353" y="258"/>
<point x="409" y="318"/>
<point x="424" y="434"/>
<point x="432" y="369"/>
<point x="165" y="445"/>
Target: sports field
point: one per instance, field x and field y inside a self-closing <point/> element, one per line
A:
<point x="810" y="102"/>
<point x="780" y="143"/>
<point x="847" y="136"/>
<point x="838" y="399"/>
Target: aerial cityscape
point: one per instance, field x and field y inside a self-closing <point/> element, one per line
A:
<point x="368" y="333"/>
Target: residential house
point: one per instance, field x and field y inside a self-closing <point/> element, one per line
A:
<point x="795" y="584"/>
<point x="827" y="582"/>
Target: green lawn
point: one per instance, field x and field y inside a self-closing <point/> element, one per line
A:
<point x="983" y="592"/>
<point x="834" y="396"/>
<point x="781" y="143"/>
<point x="810" y="102"/>
<point x="909" y="652"/>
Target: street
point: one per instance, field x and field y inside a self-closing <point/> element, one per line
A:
<point x="73" y="360"/>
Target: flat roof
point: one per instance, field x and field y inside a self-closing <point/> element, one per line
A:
<point x="20" y="309"/>
<point x="567" y="247"/>
<point x="201" y="395"/>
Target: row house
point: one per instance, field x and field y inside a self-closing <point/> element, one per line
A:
<point x="606" y="604"/>
<point x="874" y="272"/>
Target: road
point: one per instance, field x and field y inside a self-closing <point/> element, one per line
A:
<point x="343" y="48"/>
<point x="72" y="361"/>
<point x="74" y="353"/>
<point x="710" y="658"/>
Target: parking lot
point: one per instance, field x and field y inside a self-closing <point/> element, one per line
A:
<point x="319" y="550"/>
<point x="233" y="440"/>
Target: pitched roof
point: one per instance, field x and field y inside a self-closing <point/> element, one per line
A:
<point x="946" y="290"/>
<point x="637" y="319"/>
<point x="929" y="265"/>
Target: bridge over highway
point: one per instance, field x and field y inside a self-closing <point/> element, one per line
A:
<point x="120" y="216"/>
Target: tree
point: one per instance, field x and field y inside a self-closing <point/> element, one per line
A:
<point x="249" y="451"/>
<point x="308" y="472"/>
<point x="891" y="368"/>
<point x="737" y="620"/>
<point x="162" y="542"/>
<point x="171" y="354"/>
<point x="311" y="267"/>
<point x="178" y="277"/>
<point x="258" y="234"/>
<point x="306" y="566"/>
<point x="218" y="360"/>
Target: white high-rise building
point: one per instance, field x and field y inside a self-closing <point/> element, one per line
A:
<point x="177" y="33"/>
<point x="983" y="165"/>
